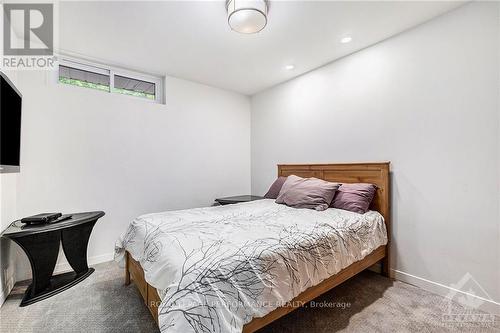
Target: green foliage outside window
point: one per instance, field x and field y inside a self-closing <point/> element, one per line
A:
<point x="134" y="93"/>
<point x="84" y="84"/>
<point x="103" y="87"/>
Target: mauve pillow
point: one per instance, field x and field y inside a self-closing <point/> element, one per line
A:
<point x="307" y="193"/>
<point x="354" y="197"/>
<point x="275" y="188"/>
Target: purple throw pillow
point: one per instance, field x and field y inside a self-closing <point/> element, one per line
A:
<point x="275" y="188"/>
<point x="354" y="197"/>
<point x="307" y="193"/>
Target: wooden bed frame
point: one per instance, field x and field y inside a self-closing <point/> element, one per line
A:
<point x="373" y="173"/>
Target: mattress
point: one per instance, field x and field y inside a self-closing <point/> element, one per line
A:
<point x="217" y="268"/>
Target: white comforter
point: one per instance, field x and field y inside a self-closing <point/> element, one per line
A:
<point x="219" y="267"/>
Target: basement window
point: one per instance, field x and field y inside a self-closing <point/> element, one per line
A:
<point x="84" y="78"/>
<point x="133" y="87"/>
<point x="109" y="79"/>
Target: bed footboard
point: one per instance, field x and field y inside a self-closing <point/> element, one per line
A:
<point x="135" y="273"/>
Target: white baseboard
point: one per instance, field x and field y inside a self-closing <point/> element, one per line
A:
<point x="64" y="266"/>
<point x="487" y="305"/>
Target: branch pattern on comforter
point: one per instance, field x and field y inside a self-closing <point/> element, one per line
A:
<point x="218" y="267"/>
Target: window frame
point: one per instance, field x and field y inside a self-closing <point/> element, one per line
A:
<point x="98" y="68"/>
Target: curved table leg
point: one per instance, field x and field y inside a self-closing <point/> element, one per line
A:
<point x="42" y="250"/>
<point x="74" y="243"/>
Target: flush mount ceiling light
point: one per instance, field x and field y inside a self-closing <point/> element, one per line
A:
<point x="247" y="16"/>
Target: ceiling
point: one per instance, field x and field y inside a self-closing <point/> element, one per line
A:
<point x="192" y="40"/>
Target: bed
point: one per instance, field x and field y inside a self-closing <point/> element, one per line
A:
<point x="237" y="268"/>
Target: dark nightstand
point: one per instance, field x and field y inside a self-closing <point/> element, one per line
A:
<point x="237" y="199"/>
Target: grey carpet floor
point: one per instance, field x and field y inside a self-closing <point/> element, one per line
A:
<point x="366" y="303"/>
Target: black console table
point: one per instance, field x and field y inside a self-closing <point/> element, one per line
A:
<point x="41" y="244"/>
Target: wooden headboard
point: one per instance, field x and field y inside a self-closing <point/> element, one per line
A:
<point x="373" y="173"/>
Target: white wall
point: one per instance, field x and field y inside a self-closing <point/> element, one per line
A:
<point x="428" y="101"/>
<point x="86" y="150"/>
<point x="8" y="213"/>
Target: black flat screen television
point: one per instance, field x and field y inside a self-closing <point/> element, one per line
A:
<point x="10" y="125"/>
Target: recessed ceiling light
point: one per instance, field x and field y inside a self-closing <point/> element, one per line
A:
<point x="289" y="67"/>
<point x="346" y="39"/>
